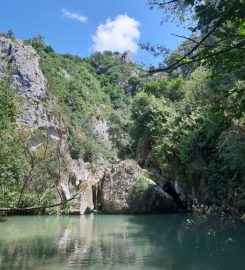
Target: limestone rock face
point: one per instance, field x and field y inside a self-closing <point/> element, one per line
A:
<point x="101" y="131"/>
<point x="113" y="189"/>
<point x="80" y="179"/>
<point x="33" y="115"/>
<point x="26" y="73"/>
<point x="20" y="63"/>
<point x="120" y="192"/>
<point x="125" y="56"/>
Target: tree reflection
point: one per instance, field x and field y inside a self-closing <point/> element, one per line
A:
<point x="117" y="242"/>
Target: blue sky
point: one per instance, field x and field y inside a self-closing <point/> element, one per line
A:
<point x="82" y="26"/>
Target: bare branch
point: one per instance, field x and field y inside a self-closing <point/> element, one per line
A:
<point x="195" y="59"/>
<point x="39" y="207"/>
<point x="193" y="40"/>
<point x="205" y="45"/>
<point x="176" y="64"/>
<point x="162" y="4"/>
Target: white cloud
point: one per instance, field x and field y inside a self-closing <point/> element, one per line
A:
<point x="73" y="15"/>
<point x="120" y="34"/>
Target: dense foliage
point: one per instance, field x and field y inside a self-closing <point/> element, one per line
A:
<point x="186" y="125"/>
<point x="199" y="137"/>
<point x="27" y="177"/>
<point x="80" y="93"/>
<point x="217" y="33"/>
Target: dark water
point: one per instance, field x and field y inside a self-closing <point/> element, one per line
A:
<point x="143" y="242"/>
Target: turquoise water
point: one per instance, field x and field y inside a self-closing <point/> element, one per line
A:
<point x="141" y="242"/>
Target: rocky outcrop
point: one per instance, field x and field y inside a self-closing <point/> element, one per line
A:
<point x="119" y="188"/>
<point x="101" y="131"/>
<point x="80" y="179"/>
<point x="20" y="63"/>
<point x="126" y="189"/>
<point x="125" y="56"/>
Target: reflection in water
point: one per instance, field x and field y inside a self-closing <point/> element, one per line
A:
<point x="148" y="242"/>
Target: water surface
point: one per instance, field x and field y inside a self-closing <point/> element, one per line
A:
<point x="140" y="242"/>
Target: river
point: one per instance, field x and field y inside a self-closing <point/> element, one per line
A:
<point x="118" y="242"/>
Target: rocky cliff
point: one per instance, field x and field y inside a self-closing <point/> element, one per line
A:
<point x="21" y="63"/>
<point x="110" y="186"/>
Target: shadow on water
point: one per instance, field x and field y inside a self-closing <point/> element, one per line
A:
<point x="146" y="242"/>
<point x="207" y="245"/>
<point x="2" y="219"/>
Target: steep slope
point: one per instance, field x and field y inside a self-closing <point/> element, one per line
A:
<point x="73" y="130"/>
<point x="68" y="134"/>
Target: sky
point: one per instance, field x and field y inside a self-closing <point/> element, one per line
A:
<point x="81" y="27"/>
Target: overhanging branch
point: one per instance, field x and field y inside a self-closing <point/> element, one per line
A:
<point x="187" y="55"/>
<point x="38" y="207"/>
<point x="196" y="59"/>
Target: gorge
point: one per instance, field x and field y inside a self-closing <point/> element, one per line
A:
<point x="122" y="136"/>
<point x="81" y="130"/>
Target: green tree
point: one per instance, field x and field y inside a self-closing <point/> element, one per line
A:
<point x="218" y="27"/>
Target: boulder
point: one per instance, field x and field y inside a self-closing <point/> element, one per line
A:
<point x="126" y="189"/>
